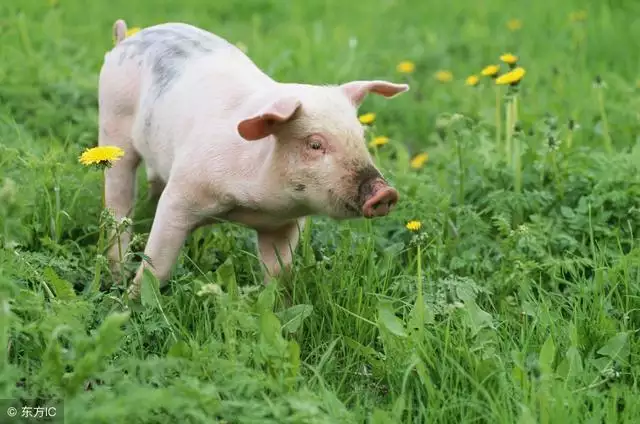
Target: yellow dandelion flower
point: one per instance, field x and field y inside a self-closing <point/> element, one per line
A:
<point x="472" y="80"/>
<point x="490" y="71"/>
<point x="406" y="67"/>
<point x="379" y="141"/>
<point x="101" y="156"/>
<point x="133" y="30"/>
<point x="578" y="16"/>
<point x="414" y="225"/>
<point x="367" y="118"/>
<point x="444" y="76"/>
<point x="509" y="58"/>
<point x="419" y="160"/>
<point x="512" y="77"/>
<point x="514" y="24"/>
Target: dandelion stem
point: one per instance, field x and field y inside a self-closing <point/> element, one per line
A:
<point x="517" y="159"/>
<point x="95" y="284"/>
<point x="461" y="172"/>
<point x="419" y="299"/>
<point x="605" y="123"/>
<point x="498" y="118"/>
<point x="508" y="132"/>
<point x="569" y="140"/>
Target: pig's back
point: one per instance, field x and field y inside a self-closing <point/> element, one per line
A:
<point x="186" y="78"/>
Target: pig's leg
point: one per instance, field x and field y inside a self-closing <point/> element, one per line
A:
<point x="155" y="183"/>
<point x="120" y="179"/>
<point x="283" y="241"/>
<point x="171" y="225"/>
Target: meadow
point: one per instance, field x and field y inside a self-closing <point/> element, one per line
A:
<point x="504" y="288"/>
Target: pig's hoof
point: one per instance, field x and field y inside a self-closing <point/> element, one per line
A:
<point x="134" y="292"/>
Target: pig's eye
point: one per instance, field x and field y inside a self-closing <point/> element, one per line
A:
<point x="315" y="144"/>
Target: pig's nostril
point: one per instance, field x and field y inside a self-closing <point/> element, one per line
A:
<point x="380" y="203"/>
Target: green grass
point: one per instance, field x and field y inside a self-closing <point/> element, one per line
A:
<point x="511" y="305"/>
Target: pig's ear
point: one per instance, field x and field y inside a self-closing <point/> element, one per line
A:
<point x="263" y="123"/>
<point x="356" y="91"/>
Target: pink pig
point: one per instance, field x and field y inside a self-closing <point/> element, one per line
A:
<point x="222" y="141"/>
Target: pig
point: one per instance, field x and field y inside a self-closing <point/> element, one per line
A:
<point x="222" y="141"/>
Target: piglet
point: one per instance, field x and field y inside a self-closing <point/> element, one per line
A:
<point x="222" y="141"/>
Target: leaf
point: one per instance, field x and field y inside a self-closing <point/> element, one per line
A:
<point x="110" y="332"/>
<point x="63" y="288"/>
<point x="293" y="349"/>
<point x="226" y="276"/>
<point x="180" y="349"/>
<point x="292" y="317"/>
<point x="270" y="328"/>
<point x="477" y="318"/>
<point x="617" y="347"/>
<point x="547" y="355"/>
<point x="367" y="351"/>
<point x="149" y="290"/>
<point x="571" y="365"/>
<point x="388" y="320"/>
<point x="567" y="212"/>
<point x="526" y="417"/>
<point x="601" y="364"/>
<point x="380" y="416"/>
<point x="266" y="299"/>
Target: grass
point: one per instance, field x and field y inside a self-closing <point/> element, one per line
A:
<point x="517" y="301"/>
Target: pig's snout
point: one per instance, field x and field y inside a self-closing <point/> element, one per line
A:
<point x="379" y="199"/>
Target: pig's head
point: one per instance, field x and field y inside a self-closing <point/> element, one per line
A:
<point x="320" y="151"/>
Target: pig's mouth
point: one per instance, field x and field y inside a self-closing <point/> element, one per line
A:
<point x="343" y="208"/>
<point x="378" y="203"/>
<point x="351" y="207"/>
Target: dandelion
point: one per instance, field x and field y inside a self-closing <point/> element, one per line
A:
<point x="101" y="156"/>
<point x="509" y="59"/>
<point x="511" y="78"/>
<point x="379" y="141"/>
<point x="406" y="67"/>
<point x="513" y="145"/>
<point x="367" y="118"/>
<point x="419" y="160"/>
<point x="444" y="76"/>
<point x="490" y="71"/>
<point x="578" y="16"/>
<point x="472" y="80"/>
<point x="514" y="24"/>
<point x="133" y="30"/>
<point x="414" y="225"/>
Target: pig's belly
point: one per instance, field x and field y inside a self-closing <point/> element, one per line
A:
<point x="260" y="220"/>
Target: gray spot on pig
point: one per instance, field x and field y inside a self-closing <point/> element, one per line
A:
<point x="167" y="48"/>
<point x="167" y="67"/>
<point x="123" y="109"/>
<point x="148" y="120"/>
<point x="163" y="38"/>
<point x="300" y="187"/>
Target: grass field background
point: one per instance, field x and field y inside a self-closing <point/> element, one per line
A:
<point x="510" y="304"/>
